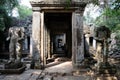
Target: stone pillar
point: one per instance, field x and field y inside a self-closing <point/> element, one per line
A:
<point x="77" y="39"/>
<point x="94" y="44"/>
<point x="26" y="44"/>
<point x="45" y="44"/>
<point x="30" y="46"/>
<point x="48" y="51"/>
<point x="36" y="36"/>
<point x="74" y="41"/>
<point x="87" y="43"/>
<point x="44" y="50"/>
<point x="44" y="60"/>
<point x="49" y="56"/>
<point x="42" y="35"/>
<point x="31" y="49"/>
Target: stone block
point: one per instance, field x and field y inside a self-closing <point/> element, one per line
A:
<point x="13" y="71"/>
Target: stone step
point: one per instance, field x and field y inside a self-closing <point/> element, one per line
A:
<point x="26" y="60"/>
<point x="58" y="55"/>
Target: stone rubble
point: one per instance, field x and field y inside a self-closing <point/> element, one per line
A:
<point x="62" y="71"/>
<point x="114" y="50"/>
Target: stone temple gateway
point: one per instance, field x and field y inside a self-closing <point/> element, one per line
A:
<point x="57" y="29"/>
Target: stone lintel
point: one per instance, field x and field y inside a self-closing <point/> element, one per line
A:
<point x="57" y="4"/>
<point x="59" y="9"/>
<point x="38" y="9"/>
<point x="62" y="9"/>
<point x="60" y="1"/>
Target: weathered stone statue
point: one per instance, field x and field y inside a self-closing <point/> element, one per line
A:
<point x="16" y="36"/>
<point x="102" y="34"/>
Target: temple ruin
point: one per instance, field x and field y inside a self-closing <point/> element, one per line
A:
<point x="57" y="30"/>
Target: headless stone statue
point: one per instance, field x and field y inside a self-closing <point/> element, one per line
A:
<point x="102" y="34"/>
<point x="16" y="36"/>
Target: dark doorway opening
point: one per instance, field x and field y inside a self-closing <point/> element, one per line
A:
<point x="91" y="41"/>
<point x="59" y="25"/>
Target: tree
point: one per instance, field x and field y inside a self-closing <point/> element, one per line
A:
<point x="91" y="12"/>
<point x="25" y="16"/>
<point x="116" y="4"/>
<point x="110" y="15"/>
<point x="112" y="18"/>
<point x="24" y="11"/>
<point x="6" y="7"/>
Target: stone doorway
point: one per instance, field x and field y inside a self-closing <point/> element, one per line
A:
<point x="60" y="29"/>
<point x="53" y="18"/>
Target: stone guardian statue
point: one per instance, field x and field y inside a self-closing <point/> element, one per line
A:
<point x="16" y="36"/>
<point x="102" y="34"/>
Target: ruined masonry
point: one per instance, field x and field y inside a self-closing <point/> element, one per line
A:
<point x="57" y="24"/>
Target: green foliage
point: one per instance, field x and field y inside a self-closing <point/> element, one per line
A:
<point x="116" y="4"/>
<point x="2" y="24"/>
<point x="96" y="2"/>
<point x="3" y="17"/>
<point x="24" y="11"/>
<point x="68" y="2"/>
<point x="90" y="9"/>
<point x="10" y="4"/>
<point x="2" y="2"/>
<point x="109" y="18"/>
<point x="99" y="21"/>
<point x="117" y="28"/>
<point x="6" y="7"/>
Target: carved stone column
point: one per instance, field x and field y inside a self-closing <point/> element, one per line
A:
<point x="42" y="38"/>
<point x="45" y="44"/>
<point x="77" y="39"/>
<point x="30" y="46"/>
<point x="49" y="45"/>
<point x="31" y="49"/>
<point x="36" y="36"/>
<point x="47" y="35"/>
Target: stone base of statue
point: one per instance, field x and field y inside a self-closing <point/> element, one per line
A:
<point x="16" y="67"/>
<point x="83" y="67"/>
<point x="106" y="68"/>
<point x="80" y="69"/>
<point x="88" y="62"/>
<point x="36" y="65"/>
